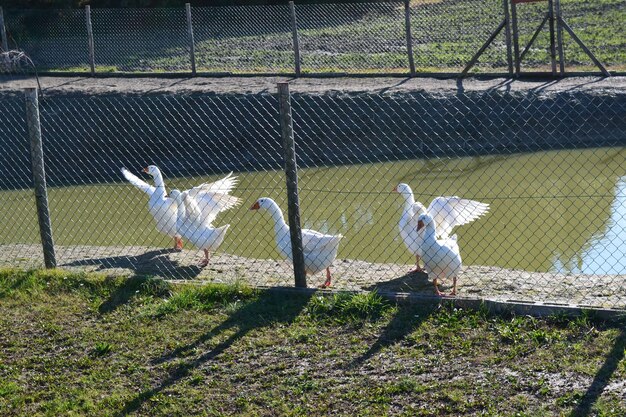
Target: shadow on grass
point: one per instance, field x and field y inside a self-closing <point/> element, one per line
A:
<point x="416" y="282"/>
<point x="601" y="380"/>
<point x="408" y="318"/>
<point x="125" y="291"/>
<point x="155" y="262"/>
<point x="269" y="308"/>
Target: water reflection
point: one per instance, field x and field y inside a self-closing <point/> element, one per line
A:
<point x="605" y="252"/>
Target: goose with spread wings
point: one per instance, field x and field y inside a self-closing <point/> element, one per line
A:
<point x="212" y="198"/>
<point x="447" y="213"/>
<point x="196" y="226"/>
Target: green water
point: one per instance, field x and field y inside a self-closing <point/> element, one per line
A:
<point x="561" y="210"/>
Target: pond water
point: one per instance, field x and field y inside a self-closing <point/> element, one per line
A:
<point x="559" y="211"/>
<point x="550" y="211"/>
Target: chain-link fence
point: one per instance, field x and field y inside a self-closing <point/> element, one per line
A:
<point x="441" y="36"/>
<point x="551" y="167"/>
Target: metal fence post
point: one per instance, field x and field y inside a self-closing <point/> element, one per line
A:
<point x="3" y="32"/>
<point x="296" y="41"/>
<point x="39" y="176"/>
<point x="516" y="53"/>
<point x="92" y="58"/>
<point x="507" y="32"/>
<point x="552" y="37"/>
<point x="192" y="47"/>
<point x="291" y="172"/>
<point x="409" y="37"/>
<point x="559" y="37"/>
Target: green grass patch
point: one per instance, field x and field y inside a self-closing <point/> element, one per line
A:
<point x="348" y="308"/>
<point x="446" y="35"/>
<point x="82" y="344"/>
<point x="205" y="298"/>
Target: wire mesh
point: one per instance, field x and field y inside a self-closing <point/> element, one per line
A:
<point x="356" y="38"/>
<point x="600" y="26"/>
<point x="551" y="166"/>
<point x="359" y="37"/>
<point x="140" y="40"/>
<point x="19" y="234"/>
<point x="193" y="140"/>
<point x="244" y="39"/>
<point x="56" y="40"/>
<point x="446" y="34"/>
<point x="553" y="205"/>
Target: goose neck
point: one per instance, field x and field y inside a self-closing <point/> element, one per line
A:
<point x="429" y="232"/>
<point x="279" y="219"/>
<point x="409" y="201"/>
<point x="159" y="183"/>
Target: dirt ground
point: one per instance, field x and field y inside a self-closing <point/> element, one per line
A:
<point x="484" y="282"/>
<point x="259" y="85"/>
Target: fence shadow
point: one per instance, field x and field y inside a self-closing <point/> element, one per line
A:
<point x="602" y="377"/>
<point x="269" y="309"/>
<point x="408" y="319"/>
<point x="416" y="282"/>
<point x="124" y="292"/>
<point x="155" y="262"/>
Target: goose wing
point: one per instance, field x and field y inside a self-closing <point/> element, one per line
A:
<point x="223" y="186"/>
<point x="449" y="212"/>
<point x="315" y="241"/>
<point x="213" y="198"/>
<point x="193" y="213"/>
<point x="418" y="208"/>
<point x="138" y="182"/>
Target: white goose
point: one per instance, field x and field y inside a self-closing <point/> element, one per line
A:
<point x="442" y="258"/>
<point x="212" y="198"/>
<point x="447" y="212"/>
<point x="320" y="250"/>
<point x="194" y="226"/>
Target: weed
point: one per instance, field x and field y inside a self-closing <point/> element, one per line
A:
<point x="101" y="349"/>
<point x="569" y="399"/>
<point x="348" y="308"/>
<point x="206" y="297"/>
<point x="8" y="388"/>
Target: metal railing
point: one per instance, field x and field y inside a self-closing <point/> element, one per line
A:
<point x="393" y="38"/>
<point x="551" y="166"/>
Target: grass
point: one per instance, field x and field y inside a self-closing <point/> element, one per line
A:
<point x="364" y="38"/>
<point x="76" y="344"/>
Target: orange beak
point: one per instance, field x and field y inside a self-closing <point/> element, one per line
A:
<point x="420" y="225"/>
<point x="395" y="189"/>
<point x="255" y="206"/>
<point x="145" y="170"/>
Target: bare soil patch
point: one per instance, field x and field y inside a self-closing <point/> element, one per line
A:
<point x="261" y="85"/>
<point x="476" y="282"/>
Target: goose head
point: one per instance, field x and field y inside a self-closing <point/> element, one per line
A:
<point x="152" y="170"/>
<point x="403" y="189"/>
<point x="269" y="205"/>
<point x="264" y="203"/>
<point x="425" y="221"/>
